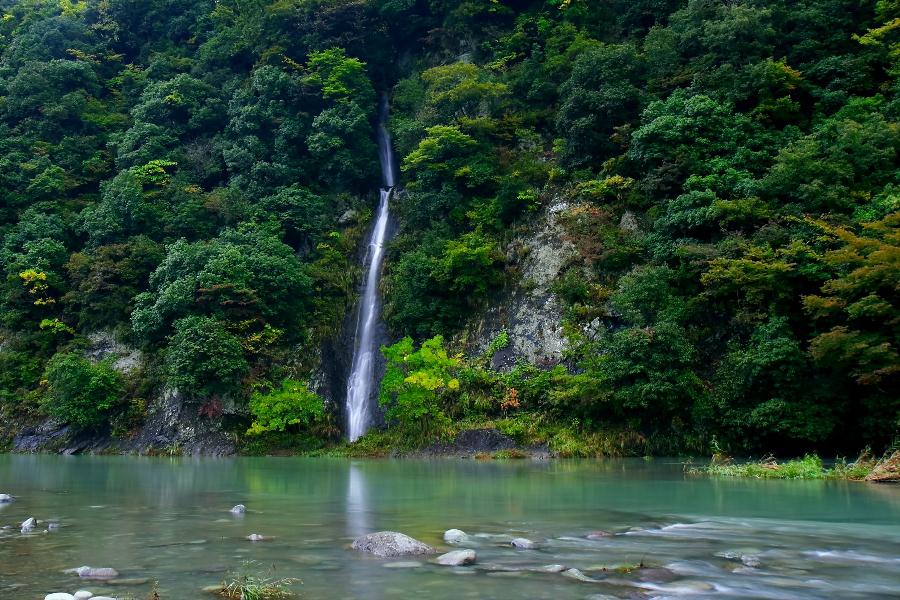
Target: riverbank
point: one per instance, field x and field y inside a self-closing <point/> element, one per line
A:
<point x="864" y="468"/>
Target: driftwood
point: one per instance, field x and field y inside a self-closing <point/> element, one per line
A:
<point x="888" y="469"/>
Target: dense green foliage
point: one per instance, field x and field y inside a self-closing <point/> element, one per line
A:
<point x="292" y="404"/>
<point x="79" y="392"/>
<point x="176" y="171"/>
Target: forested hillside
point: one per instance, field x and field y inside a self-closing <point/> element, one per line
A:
<point x="196" y="177"/>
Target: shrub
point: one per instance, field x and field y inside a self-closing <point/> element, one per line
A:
<point x="203" y="358"/>
<point x="79" y="392"/>
<point x="292" y="404"/>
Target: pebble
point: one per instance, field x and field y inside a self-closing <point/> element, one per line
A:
<point x="255" y="537"/>
<point x="28" y="524"/>
<point x="523" y="544"/>
<point x="83" y="595"/>
<point x="238" y="509"/>
<point x="456" y="558"/>
<point x="455" y="536"/>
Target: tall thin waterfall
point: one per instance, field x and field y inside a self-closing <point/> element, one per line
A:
<point x="361" y="382"/>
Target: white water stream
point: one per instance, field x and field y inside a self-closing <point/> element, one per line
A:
<point x="361" y="383"/>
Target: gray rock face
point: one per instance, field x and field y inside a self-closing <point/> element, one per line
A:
<point x="483" y="440"/>
<point x="104" y="345"/>
<point x="531" y="313"/>
<point x="388" y="544"/>
<point x="523" y="544"/>
<point x="455" y="536"/>
<point x="457" y="558"/>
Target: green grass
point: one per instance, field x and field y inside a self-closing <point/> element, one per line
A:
<point x="808" y="467"/>
<point x="249" y="584"/>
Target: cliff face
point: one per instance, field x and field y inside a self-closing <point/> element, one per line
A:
<point x="528" y="310"/>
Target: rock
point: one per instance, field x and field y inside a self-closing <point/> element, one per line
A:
<point x="457" y="558"/>
<point x="629" y="222"/>
<point x="213" y="589"/>
<point x="103" y="598"/>
<point x="751" y="561"/>
<point x="655" y="575"/>
<point x="238" y="509"/>
<point x="403" y="564"/>
<point x="551" y="569"/>
<point x="83" y="595"/>
<point x="455" y="536"/>
<point x="255" y="537"/>
<point x="95" y="572"/>
<point x="349" y="216"/>
<point x="886" y="470"/>
<point x="578" y="575"/>
<point x="4" y="498"/>
<point x="59" y="596"/>
<point x="28" y="524"/>
<point x="598" y="535"/>
<point x="523" y="544"/>
<point x="387" y="544"/>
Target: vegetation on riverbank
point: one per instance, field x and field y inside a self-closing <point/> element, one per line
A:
<point x="808" y="467"/>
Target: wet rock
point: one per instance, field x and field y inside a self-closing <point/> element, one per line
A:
<point x="213" y="589"/>
<point x="83" y="595"/>
<point x="751" y="561"/>
<point x="550" y="569"/>
<point x="86" y="572"/>
<point x="238" y="509"/>
<point x="455" y="536"/>
<point x="578" y="576"/>
<point x="28" y="524"/>
<point x="4" y="498"/>
<point x="388" y="544"/>
<point x="655" y="575"/>
<point x="52" y="526"/>
<point x="457" y="558"/>
<point x="255" y="537"/>
<point x="59" y="596"/>
<point x="523" y="544"/>
<point x="349" y="216"/>
<point x="598" y="535"/>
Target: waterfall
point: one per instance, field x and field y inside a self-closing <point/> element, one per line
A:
<point x="361" y="382"/>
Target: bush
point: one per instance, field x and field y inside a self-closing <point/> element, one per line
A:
<point x="203" y="358"/>
<point x="79" y="392"/>
<point x="292" y="404"/>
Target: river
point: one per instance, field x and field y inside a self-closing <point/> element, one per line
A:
<point x="168" y="520"/>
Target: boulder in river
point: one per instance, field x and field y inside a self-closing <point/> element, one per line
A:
<point x="255" y="537"/>
<point x="83" y="595"/>
<point x="455" y="536"/>
<point x="523" y="544"/>
<point x="59" y="596"/>
<point x="457" y="558"/>
<point x="388" y="544"/>
<point x="28" y="524"/>
<point x="86" y="572"/>
<point x="4" y="498"/>
<point x="238" y="509"/>
<point x="598" y="535"/>
<point x="578" y="576"/>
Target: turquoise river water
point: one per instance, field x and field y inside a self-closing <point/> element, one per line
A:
<point x="168" y="521"/>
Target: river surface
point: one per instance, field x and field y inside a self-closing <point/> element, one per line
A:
<point x="168" y="520"/>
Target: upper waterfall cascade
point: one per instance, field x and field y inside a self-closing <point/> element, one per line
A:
<point x="361" y="383"/>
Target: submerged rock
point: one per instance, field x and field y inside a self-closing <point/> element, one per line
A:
<point x="255" y="537"/>
<point x="455" y="536"/>
<point x="578" y="576"/>
<point x="457" y="558"/>
<point x="4" y="498"/>
<point x="28" y="524"/>
<point x="523" y="544"/>
<point x="550" y="569"/>
<point x="238" y="509"/>
<point x="598" y="535"/>
<point x="387" y="544"/>
<point x="86" y="572"/>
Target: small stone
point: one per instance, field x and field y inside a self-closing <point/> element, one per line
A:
<point x="523" y="544"/>
<point x="83" y="595"/>
<point x="4" y="498"/>
<point x="238" y="509"/>
<point x="255" y="537"/>
<point x="28" y="524"/>
<point x="455" y="536"/>
<point x="457" y="558"/>
<point x="598" y="535"/>
<point x="551" y="569"/>
<point x="751" y="561"/>
<point x="578" y="575"/>
<point x="388" y="544"/>
<point x="95" y="572"/>
<point x="59" y="596"/>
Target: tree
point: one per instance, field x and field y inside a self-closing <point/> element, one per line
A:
<point x="203" y="359"/>
<point x="79" y="392"/>
<point x="291" y="405"/>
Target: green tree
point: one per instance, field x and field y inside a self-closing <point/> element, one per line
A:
<point x="293" y="404"/>
<point x="79" y="392"/>
<point x="203" y="359"/>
